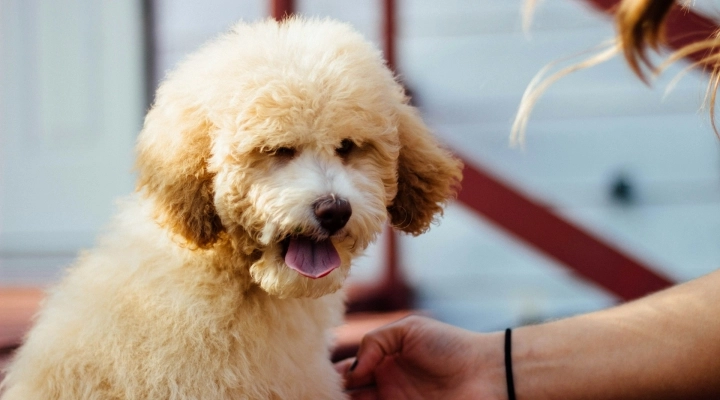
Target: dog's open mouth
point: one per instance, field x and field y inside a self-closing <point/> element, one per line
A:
<point x="309" y="257"/>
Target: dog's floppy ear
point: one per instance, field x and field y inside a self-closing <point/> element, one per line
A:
<point x="428" y="175"/>
<point x="173" y="149"/>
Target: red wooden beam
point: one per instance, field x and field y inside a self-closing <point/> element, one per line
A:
<point x="587" y="255"/>
<point x="281" y="9"/>
<point x="393" y="276"/>
<point x="389" y="18"/>
<point x="682" y="27"/>
<point x="397" y="292"/>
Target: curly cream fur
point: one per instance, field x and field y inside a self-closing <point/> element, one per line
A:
<point x="187" y="295"/>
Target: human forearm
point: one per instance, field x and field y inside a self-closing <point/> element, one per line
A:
<point x="664" y="346"/>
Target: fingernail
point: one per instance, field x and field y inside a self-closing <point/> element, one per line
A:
<point x="354" y="364"/>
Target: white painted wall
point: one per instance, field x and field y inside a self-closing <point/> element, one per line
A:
<point x="70" y="107"/>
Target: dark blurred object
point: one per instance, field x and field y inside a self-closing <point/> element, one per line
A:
<point x="622" y="190"/>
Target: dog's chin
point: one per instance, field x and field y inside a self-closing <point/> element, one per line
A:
<point x="275" y="277"/>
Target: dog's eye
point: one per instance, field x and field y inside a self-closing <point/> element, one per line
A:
<point x="346" y="146"/>
<point x="284" y="152"/>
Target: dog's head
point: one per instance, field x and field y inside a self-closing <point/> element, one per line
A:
<point x="293" y="143"/>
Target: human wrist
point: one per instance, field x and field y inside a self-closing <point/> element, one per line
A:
<point x="540" y="362"/>
<point x="546" y="360"/>
<point x="487" y="374"/>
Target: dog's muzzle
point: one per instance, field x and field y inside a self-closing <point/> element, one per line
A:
<point x="312" y="257"/>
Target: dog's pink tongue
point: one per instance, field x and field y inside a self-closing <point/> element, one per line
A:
<point x="312" y="259"/>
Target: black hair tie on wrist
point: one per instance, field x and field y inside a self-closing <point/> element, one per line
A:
<point x="508" y="365"/>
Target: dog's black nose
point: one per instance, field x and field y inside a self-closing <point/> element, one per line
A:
<point x="332" y="213"/>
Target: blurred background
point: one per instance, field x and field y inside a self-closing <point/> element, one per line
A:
<point x="633" y="167"/>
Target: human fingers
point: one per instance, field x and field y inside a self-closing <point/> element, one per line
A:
<point x="375" y="346"/>
<point x="358" y="386"/>
<point x="343" y="366"/>
<point x="354" y="380"/>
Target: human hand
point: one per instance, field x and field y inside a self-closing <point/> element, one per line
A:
<point x="419" y="358"/>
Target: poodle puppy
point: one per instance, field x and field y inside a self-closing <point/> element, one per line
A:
<point x="270" y="159"/>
